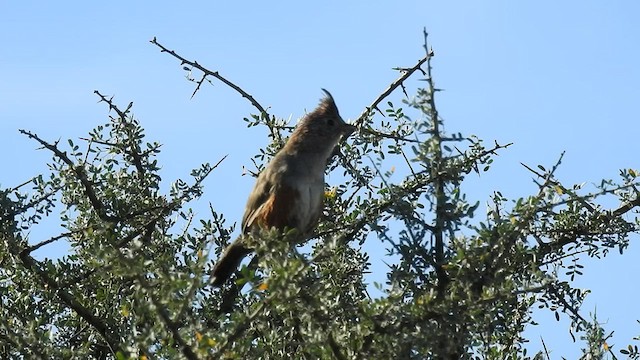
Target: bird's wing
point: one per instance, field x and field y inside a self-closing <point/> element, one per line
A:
<point x="257" y="198"/>
<point x="276" y="209"/>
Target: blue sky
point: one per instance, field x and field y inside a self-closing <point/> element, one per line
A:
<point x="548" y="76"/>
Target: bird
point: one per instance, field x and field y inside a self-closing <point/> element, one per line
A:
<point x="288" y="194"/>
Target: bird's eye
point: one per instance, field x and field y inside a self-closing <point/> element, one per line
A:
<point x="330" y="122"/>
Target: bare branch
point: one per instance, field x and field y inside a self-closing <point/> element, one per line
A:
<point x="438" y="181"/>
<point x="17" y="187"/>
<point x="215" y="74"/>
<point x="35" y="247"/>
<point x="121" y="114"/>
<point x="626" y="207"/>
<point x="406" y="73"/>
<point x="391" y="136"/>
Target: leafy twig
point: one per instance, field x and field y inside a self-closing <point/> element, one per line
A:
<point x="81" y="175"/>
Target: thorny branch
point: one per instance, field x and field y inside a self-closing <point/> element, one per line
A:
<point x="215" y="74"/>
<point x="133" y="152"/>
<point x="406" y="73"/>
<point x="35" y="266"/>
<point x="439" y="182"/>
<point x="206" y="72"/>
<point x="81" y="175"/>
<point x="571" y="237"/>
<point x="420" y="181"/>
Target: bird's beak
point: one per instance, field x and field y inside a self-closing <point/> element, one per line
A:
<point x="347" y="130"/>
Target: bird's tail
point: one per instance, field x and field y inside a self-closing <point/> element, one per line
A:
<point x="228" y="262"/>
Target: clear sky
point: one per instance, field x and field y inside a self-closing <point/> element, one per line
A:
<point x="549" y="76"/>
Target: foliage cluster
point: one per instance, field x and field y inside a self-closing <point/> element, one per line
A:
<point x="135" y="282"/>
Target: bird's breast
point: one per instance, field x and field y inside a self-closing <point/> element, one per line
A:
<point x="308" y="209"/>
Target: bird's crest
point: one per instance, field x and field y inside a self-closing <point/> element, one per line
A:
<point x="326" y="108"/>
